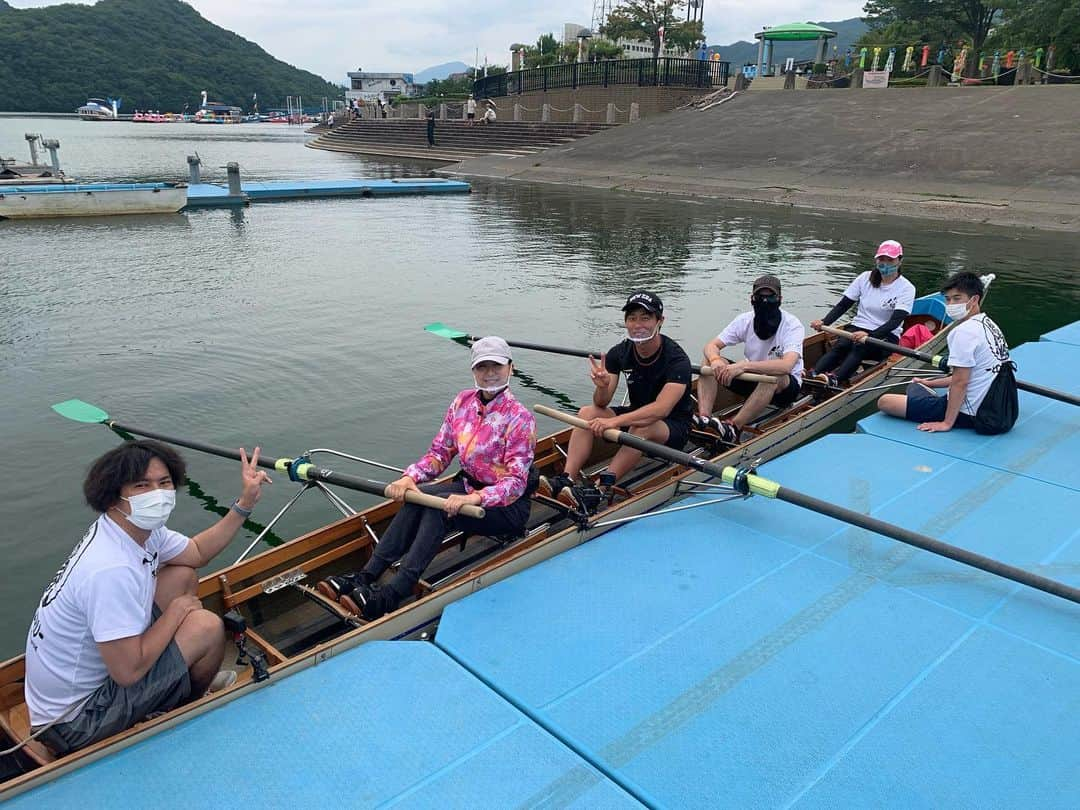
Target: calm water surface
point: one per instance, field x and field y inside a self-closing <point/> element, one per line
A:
<point x="300" y="325"/>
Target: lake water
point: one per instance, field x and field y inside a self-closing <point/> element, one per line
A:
<point x="299" y="325"/>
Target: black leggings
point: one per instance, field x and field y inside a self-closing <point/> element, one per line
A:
<point x="845" y="355"/>
<point x="416" y="532"/>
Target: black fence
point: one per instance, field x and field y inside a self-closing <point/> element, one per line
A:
<point x="665" y="72"/>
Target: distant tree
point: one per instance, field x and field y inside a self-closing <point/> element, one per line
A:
<point x="893" y="21"/>
<point x="1036" y="23"/>
<point x="643" y="19"/>
<point x="604" y="49"/>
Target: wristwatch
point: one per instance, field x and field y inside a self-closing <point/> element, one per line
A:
<point x="241" y="511"/>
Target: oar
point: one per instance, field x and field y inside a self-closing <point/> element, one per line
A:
<point x="747" y="483"/>
<point x="942" y="363"/>
<point x="464" y="338"/>
<point x="79" y="411"/>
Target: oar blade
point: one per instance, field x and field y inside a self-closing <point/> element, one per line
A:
<point x="79" y="411"/>
<point x="444" y="331"/>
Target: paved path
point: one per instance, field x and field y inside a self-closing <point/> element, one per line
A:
<point x="1007" y="156"/>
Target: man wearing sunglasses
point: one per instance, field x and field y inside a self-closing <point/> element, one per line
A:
<point x="773" y="344"/>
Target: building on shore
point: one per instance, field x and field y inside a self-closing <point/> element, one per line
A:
<point x="370" y="86"/>
<point x="632" y="48"/>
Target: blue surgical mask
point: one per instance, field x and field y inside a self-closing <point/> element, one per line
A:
<point x="887" y="270"/>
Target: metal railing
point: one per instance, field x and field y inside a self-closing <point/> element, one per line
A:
<point x="665" y="72"/>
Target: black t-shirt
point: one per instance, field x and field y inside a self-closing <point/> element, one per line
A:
<point x="669" y="365"/>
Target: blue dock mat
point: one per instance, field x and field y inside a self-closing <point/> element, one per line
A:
<point x="1044" y="443"/>
<point x="387" y="723"/>
<point x="755" y="654"/>
<point x="204" y="194"/>
<point x="1070" y="333"/>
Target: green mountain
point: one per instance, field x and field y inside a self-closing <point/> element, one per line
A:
<point x="153" y="54"/>
<point x="745" y="53"/>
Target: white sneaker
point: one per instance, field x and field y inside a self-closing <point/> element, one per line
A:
<point x="223" y="680"/>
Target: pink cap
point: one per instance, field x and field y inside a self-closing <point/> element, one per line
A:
<point x="890" y="248"/>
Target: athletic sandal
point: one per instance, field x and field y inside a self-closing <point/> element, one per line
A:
<point x="223" y="680"/>
<point x="339" y="585"/>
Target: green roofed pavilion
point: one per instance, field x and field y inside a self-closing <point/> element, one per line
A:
<point x="791" y="32"/>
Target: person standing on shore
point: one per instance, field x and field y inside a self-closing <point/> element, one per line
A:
<point x="470" y="109"/>
<point x="885" y="298"/>
<point x="431" y="128"/>
<point x="773" y="341"/>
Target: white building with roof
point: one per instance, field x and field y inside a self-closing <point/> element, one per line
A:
<point x="632" y="48"/>
<point x="369" y="86"/>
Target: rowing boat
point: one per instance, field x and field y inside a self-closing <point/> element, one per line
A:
<point x="287" y="625"/>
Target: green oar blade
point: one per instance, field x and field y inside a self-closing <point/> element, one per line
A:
<point x="444" y="331"/>
<point x="79" y="411"/>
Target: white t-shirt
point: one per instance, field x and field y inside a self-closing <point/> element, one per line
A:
<point x="788" y="338"/>
<point x="876" y="304"/>
<point x="470" y="105"/>
<point x="978" y="344"/>
<point x="104" y="591"/>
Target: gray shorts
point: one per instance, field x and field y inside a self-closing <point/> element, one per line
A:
<point x="112" y="708"/>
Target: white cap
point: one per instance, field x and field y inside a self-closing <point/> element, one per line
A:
<point x="491" y="348"/>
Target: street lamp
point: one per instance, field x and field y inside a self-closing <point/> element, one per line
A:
<point x="583" y="37"/>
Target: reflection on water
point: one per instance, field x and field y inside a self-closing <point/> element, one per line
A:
<point x="300" y="325"/>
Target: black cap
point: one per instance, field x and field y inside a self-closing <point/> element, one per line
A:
<point x="767" y="282"/>
<point x="650" y="302"/>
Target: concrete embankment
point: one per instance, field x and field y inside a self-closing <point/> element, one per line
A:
<point x="1005" y="156"/>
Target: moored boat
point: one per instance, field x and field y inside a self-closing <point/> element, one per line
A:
<point x="90" y="199"/>
<point x="290" y="625"/>
<point x="100" y="109"/>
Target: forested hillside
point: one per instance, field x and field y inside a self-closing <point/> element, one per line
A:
<point x="153" y="54"/>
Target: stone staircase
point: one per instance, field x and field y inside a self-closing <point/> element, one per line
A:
<point x="455" y="140"/>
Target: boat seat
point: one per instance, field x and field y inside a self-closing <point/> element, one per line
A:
<point x="15" y="723"/>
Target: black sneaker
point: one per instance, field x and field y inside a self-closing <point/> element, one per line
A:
<point x="369" y="601"/>
<point x="699" y="421"/>
<point x="551" y="487"/>
<point x="729" y="433"/>
<point x="340" y="585"/>
<point x="586" y="498"/>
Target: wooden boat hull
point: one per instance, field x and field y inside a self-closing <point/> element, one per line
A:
<point x="253" y="585"/>
<point x="89" y="201"/>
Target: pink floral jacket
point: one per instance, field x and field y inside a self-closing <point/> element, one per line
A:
<point x="494" y="444"/>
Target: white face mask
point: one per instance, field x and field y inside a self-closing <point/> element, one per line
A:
<point x="957" y="311"/>
<point x="491" y="383"/>
<point x="150" y="510"/>
<point x="645" y="339"/>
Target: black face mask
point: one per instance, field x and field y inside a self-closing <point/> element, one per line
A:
<point x="766" y="316"/>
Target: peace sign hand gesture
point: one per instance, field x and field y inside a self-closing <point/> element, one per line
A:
<point x="251" y="479"/>
<point x="597" y="371"/>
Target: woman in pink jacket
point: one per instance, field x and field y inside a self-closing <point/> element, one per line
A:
<point x="494" y="436"/>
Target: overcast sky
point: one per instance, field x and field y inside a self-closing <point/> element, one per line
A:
<point x="330" y="37"/>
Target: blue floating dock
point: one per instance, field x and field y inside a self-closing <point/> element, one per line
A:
<point x="386" y="723"/>
<point x="205" y="195"/>
<point x="753" y="654"/>
<point x="1067" y="334"/>
<point x="1044" y="444"/>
